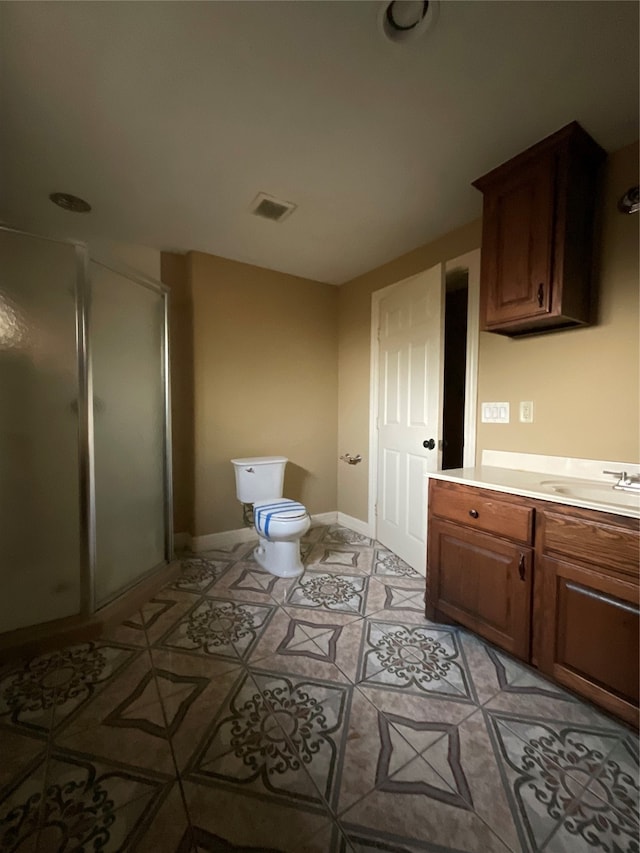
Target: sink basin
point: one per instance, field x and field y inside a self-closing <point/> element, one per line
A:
<point x="592" y="490"/>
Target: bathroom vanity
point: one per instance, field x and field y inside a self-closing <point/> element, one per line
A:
<point x="545" y="567"/>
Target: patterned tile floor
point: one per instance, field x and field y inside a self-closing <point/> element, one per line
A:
<point x="241" y="712"/>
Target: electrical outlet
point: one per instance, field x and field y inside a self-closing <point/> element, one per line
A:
<point x="526" y="412"/>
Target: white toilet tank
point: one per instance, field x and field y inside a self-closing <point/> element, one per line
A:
<point x="259" y="478"/>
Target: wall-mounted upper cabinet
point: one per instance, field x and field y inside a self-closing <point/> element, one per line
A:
<point x="538" y="235"/>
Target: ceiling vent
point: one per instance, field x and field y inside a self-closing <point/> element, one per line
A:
<point x="272" y="208"/>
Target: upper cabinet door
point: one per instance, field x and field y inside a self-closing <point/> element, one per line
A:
<point x="537" y="235"/>
<point x="517" y="244"/>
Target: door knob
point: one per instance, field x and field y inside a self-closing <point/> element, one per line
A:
<point x="429" y="443"/>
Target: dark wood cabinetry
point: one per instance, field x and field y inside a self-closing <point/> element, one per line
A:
<point x="537" y="235"/>
<point x="554" y="585"/>
<point x="483" y="583"/>
<point x="590" y="626"/>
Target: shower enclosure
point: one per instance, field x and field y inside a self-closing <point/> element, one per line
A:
<point x="85" y="470"/>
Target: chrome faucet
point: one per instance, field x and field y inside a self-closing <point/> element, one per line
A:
<point x="626" y="482"/>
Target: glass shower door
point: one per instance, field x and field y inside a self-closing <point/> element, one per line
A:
<point x="40" y="510"/>
<point x="127" y="326"/>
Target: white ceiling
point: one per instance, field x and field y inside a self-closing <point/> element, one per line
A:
<point x="170" y="117"/>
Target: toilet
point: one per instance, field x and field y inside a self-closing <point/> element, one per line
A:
<point x="279" y="522"/>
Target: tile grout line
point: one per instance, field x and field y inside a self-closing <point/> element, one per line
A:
<point x="327" y="805"/>
<point x="169" y="738"/>
<point x="245" y="666"/>
<point x="334" y="812"/>
<point x="581" y="794"/>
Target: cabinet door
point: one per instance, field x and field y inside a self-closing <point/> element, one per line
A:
<point x="590" y="633"/>
<point x="517" y="244"/>
<point x="481" y="582"/>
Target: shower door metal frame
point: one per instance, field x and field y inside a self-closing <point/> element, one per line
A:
<point x="90" y="507"/>
<point x="86" y="444"/>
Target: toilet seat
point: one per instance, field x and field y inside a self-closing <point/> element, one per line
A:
<point x="284" y="509"/>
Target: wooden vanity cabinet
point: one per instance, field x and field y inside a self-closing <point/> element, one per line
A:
<point x="479" y="563"/>
<point x="537" y="235"/>
<point x="554" y="585"/>
<point x="588" y="635"/>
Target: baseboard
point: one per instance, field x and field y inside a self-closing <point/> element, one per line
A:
<point x="355" y="524"/>
<point x="47" y="636"/>
<point x="225" y="539"/>
<point x="229" y="538"/>
<point x="324" y="518"/>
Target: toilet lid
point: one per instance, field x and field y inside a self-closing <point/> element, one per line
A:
<point x="281" y="510"/>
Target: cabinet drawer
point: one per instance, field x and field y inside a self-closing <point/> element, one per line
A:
<point x="476" y="509"/>
<point x="604" y="545"/>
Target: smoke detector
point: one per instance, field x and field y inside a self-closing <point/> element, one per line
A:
<point x="272" y="208"/>
<point x="403" y="21"/>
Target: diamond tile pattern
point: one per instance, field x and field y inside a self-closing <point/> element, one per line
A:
<point x="241" y="712"/>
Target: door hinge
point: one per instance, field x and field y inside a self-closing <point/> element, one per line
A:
<point x="375" y="510"/>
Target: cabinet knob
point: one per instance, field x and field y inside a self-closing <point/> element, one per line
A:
<point x="540" y="295"/>
<point x="521" y="567"/>
<point x="474" y="513"/>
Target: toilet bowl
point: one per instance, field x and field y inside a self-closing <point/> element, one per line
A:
<point x="279" y="522"/>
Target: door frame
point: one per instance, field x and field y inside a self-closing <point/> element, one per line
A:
<point x="470" y="262"/>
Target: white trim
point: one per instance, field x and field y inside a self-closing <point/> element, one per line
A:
<point x="225" y="539"/>
<point x="324" y="518"/>
<point x="471" y="262"/>
<point x="181" y="542"/>
<point x="228" y="538"/>
<point x="355" y="524"/>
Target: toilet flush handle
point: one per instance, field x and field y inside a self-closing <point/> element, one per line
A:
<point x="249" y="470"/>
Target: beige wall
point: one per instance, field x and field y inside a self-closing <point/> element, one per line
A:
<point x="354" y="355"/>
<point x="281" y="365"/>
<point x="265" y="382"/>
<point x="584" y="383"/>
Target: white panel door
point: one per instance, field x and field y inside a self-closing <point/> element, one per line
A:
<point x="409" y="411"/>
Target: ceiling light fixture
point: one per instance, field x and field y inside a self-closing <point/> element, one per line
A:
<point x="402" y="21"/>
<point x="70" y="202"/>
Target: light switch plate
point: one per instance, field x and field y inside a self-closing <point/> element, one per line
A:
<point x="495" y="413"/>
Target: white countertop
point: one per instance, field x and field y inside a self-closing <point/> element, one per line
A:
<point x="551" y="485"/>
